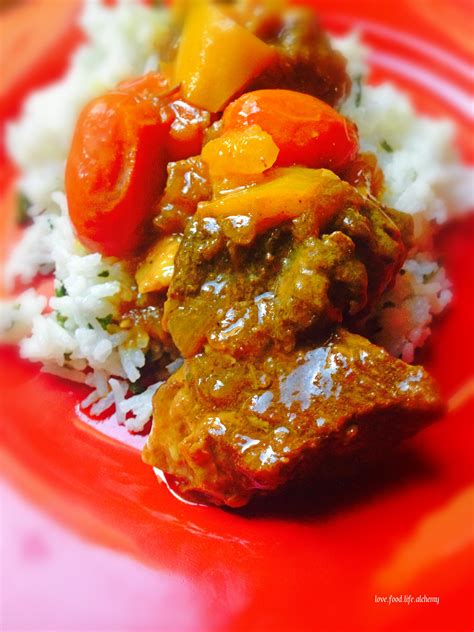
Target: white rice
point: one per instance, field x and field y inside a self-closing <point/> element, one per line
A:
<point x="406" y="312"/>
<point x="423" y="173"/>
<point x="70" y="341"/>
<point x="80" y="339"/>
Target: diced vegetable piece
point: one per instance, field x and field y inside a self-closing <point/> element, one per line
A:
<point x="246" y="151"/>
<point x="306" y="130"/>
<point x="217" y="57"/>
<point x="23" y="204"/>
<point x="155" y="272"/>
<point x="283" y="196"/>
<point x="116" y="167"/>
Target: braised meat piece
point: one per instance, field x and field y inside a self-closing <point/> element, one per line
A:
<point x="187" y="185"/>
<point x="226" y="430"/>
<point x="240" y="291"/>
<point x="306" y="61"/>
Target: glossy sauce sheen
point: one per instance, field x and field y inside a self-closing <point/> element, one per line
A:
<point x="277" y="252"/>
<point x="227" y="429"/>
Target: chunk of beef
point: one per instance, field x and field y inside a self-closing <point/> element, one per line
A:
<point x="226" y="430"/>
<point x="241" y="293"/>
<point x="187" y="185"/>
<point x="306" y="61"/>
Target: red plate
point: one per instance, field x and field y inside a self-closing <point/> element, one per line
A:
<point x="92" y="542"/>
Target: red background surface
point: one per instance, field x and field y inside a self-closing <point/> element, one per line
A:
<point x="91" y="542"/>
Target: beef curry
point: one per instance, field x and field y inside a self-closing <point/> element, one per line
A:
<point x="259" y="243"/>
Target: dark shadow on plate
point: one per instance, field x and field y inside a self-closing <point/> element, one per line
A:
<point x="323" y="498"/>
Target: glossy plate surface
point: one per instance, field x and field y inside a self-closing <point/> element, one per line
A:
<point x="92" y="542"/>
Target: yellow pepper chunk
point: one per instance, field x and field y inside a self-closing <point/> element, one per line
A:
<point x="156" y="271"/>
<point x="245" y="151"/>
<point x="283" y="195"/>
<point x="217" y="57"/>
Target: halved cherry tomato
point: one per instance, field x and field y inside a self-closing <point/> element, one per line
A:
<point x="116" y="166"/>
<point x="306" y="130"/>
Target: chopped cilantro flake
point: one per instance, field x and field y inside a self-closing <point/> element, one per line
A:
<point x="136" y="388"/>
<point x="23" y="204"/>
<point x="106" y="321"/>
<point x="358" y="93"/>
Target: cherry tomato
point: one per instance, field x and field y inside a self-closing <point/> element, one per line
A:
<point x="116" y="167"/>
<point x="306" y="130"/>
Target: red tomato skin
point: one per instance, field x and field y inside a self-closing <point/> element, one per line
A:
<point x="115" y="171"/>
<point x="306" y="130"/>
<point x="116" y="168"/>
